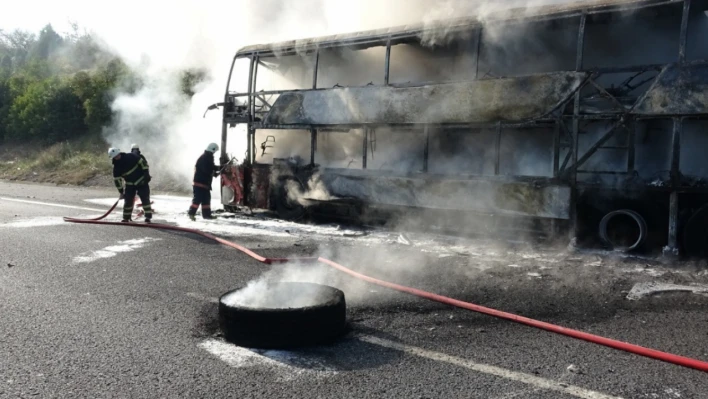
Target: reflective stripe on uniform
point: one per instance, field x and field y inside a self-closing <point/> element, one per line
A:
<point x="131" y="171"/>
<point x="135" y="183"/>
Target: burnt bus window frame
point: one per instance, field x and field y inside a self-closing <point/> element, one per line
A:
<point x="389" y="40"/>
<point x="699" y="10"/>
<point x="415" y="37"/>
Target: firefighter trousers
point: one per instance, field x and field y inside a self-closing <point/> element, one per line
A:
<point x="202" y="196"/>
<point x="143" y="191"/>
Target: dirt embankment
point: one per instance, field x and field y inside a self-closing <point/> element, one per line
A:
<point x="81" y="162"/>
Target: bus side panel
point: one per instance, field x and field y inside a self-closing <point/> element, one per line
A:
<point x="475" y="195"/>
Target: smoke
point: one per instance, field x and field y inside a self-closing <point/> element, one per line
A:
<point x="161" y="39"/>
<point x="164" y="39"/>
<point x="267" y="293"/>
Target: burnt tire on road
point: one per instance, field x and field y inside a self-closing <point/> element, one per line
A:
<point x="283" y="315"/>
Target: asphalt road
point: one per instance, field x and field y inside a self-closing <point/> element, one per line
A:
<point x="98" y="311"/>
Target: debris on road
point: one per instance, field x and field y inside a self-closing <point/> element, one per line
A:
<point x="402" y="239"/>
<point x="641" y="290"/>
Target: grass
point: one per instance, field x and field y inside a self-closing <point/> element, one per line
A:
<point x="70" y="162"/>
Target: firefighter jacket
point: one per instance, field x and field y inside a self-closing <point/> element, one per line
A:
<point x="205" y="170"/>
<point x="140" y="154"/>
<point x="131" y="168"/>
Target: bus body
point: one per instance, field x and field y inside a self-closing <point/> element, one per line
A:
<point x="589" y="118"/>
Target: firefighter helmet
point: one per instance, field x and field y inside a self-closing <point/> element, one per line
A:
<point x="213" y="148"/>
<point x="113" y="152"/>
<point x="134" y="146"/>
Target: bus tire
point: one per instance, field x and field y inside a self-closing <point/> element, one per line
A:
<point x="641" y="226"/>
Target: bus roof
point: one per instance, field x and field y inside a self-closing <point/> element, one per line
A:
<point x="377" y="37"/>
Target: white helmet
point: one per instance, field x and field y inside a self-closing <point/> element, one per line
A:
<point x="112" y="152"/>
<point x="134" y="146"/>
<point x="213" y="148"/>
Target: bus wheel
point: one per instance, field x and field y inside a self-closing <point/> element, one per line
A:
<point x="623" y="230"/>
<point x="695" y="234"/>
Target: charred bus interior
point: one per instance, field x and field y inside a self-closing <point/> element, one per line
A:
<point x="586" y="122"/>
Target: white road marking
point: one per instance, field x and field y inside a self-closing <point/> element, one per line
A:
<point x="54" y="205"/>
<point x="113" y="250"/>
<point x="35" y="222"/>
<point x="535" y="381"/>
<point x="285" y="365"/>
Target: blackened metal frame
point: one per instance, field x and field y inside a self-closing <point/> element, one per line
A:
<point x="559" y="169"/>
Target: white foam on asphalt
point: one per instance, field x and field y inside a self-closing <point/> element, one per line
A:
<point x="113" y="250"/>
<point x="285" y="365"/>
<point x="642" y="290"/>
<point x="535" y="381"/>
<point x="54" y="205"/>
<point x="173" y="209"/>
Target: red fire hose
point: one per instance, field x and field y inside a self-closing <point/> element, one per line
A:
<point x="631" y="348"/>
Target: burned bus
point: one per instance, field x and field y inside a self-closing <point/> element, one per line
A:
<point x="586" y="121"/>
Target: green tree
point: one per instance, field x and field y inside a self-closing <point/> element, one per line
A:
<point x="5" y="103"/>
<point x="85" y="53"/>
<point x="48" y="111"/>
<point x="5" y="64"/>
<point x="96" y="91"/>
<point x="17" y="44"/>
<point x="48" y="44"/>
<point x="190" y="79"/>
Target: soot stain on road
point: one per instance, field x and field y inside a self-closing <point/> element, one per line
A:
<point x="207" y="322"/>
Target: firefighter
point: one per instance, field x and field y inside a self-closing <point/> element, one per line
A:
<point x="204" y="171"/>
<point x="135" y="149"/>
<point x="134" y="171"/>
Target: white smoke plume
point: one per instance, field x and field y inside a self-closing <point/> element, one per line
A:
<point x="159" y="39"/>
